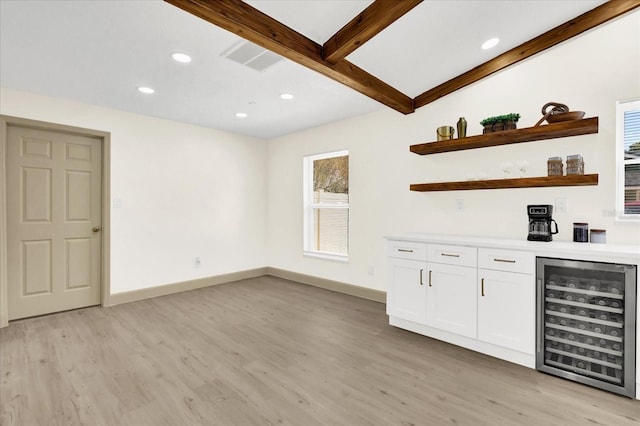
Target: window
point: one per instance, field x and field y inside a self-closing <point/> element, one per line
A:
<point x="326" y="205"/>
<point x="628" y="154"/>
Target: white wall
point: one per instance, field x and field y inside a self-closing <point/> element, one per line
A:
<point x="589" y="73"/>
<point x="236" y="202"/>
<point x="186" y="191"/>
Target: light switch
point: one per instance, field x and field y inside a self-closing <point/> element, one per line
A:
<point x="117" y="203"/>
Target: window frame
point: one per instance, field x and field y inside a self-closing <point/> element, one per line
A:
<point x="622" y="107"/>
<point x="309" y="207"/>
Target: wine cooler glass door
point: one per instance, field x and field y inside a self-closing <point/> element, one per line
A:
<point x="586" y="325"/>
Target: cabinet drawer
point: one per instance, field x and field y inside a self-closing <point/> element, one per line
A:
<point x="523" y="262"/>
<point x="407" y="250"/>
<point x="452" y="255"/>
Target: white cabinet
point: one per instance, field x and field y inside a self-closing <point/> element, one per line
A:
<point x="452" y="255"/>
<point x="407" y="292"/>
<point x="452" y="298"/>
<point x="407" y="250"/>
<point x="479" y="293"/>
<point x="507" y="300"/>
<point x="506" y="309"/>
<point x="477" y="297"/>
<point x="451" y="288"/>
<point x="523" y="262"/>
<point x="483" y="294"/>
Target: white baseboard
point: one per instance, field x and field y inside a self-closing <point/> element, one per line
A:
<point x="337" y="286"/>
<point x="163" y="290"/>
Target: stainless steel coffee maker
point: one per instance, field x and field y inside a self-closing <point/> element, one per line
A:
<point x="540" y="222"/>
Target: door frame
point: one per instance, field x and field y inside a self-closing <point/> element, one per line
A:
<point x="105" y="138"/>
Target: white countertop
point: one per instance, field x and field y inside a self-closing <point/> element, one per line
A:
<point x="563" y="249"/>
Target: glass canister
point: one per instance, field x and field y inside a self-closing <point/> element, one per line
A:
<point x="575" y="165"/>
<point x="554" y="166"/>
<point x="580" y="232"/>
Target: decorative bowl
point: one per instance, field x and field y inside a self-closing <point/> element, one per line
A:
<point x="565" y="116"/>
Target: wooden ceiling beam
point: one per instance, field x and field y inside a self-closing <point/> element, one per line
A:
<point x="569" y="29"/>
<point x="375" y="18"/>
<point x="251" y="24"/>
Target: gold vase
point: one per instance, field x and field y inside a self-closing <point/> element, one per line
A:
<point x="462" y="127"/>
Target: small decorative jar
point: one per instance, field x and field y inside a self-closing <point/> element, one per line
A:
<point x="575" y="165"/>
<point x="598" y="236"/>
<point x="554" y="166"/>
<point x="580" y="232"/>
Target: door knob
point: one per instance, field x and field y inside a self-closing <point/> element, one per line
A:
<point x="96" y="229"/>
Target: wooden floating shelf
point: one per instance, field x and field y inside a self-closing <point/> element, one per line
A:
<point x="529" y="134"/>
<point x="533" y="182"/>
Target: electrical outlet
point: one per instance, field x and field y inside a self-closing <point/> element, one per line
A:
<point x="117" y="203"/>
<point x="562" y="205"/>
<point x="371" y="270"/>
<point x="608" y="213"/>
<point x="197" y="261"/>
<point x="459" y="204"/>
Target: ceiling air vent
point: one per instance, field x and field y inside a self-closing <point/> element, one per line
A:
<point x="251" y="55"/>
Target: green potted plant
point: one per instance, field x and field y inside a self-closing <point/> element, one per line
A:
<point x="500" y="122"/>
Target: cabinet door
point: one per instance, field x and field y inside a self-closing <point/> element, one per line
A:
<point x="506" y="309"/>
<point x="452" y="298"/>
<point x="407" y="293"/>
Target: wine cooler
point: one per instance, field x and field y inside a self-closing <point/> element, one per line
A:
<point x="586" y="322"/>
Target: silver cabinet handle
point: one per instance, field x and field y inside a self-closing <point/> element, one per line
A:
<point x="449" y="255"/>
<point x="406" y="250"/>
<point x="504" y="260"/>
<point x="430" y="279"/>
<point x="421" y="271"/>
<point x="482" y="287"/>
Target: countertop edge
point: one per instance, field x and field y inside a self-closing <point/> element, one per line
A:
<point x="540" y="248"/>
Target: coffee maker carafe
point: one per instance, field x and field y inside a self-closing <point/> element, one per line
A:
<point x="540" y="223"/>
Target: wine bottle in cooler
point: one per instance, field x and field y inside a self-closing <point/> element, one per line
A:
<point x="614" y="331"/>
<point x="582" y="364"/>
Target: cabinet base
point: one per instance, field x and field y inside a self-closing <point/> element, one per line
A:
<point x="526" y="360"/>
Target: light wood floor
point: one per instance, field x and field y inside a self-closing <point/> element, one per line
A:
<point x="267" y="351"/>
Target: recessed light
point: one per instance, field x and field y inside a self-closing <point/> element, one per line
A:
<point x="181" y="57"/>
<point x="146" y="90"/>
<point x="286" y="96"/>
<point x="492" y="42"/>
<point x="241" y="114"/>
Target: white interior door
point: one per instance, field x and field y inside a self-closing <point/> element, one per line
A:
<point x="53" y="221"/>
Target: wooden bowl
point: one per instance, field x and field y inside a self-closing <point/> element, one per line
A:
<point x="565" y="116"/>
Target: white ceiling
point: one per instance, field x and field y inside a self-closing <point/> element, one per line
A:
<point x="99" y="52"/>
